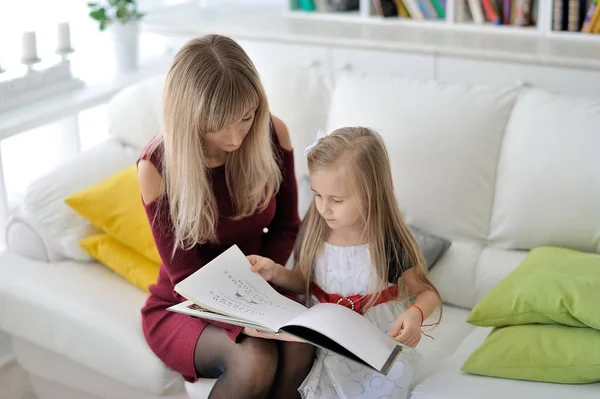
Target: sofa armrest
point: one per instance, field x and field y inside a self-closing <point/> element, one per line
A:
<point x="45" y="227"/>
<point x="27" y="238"/>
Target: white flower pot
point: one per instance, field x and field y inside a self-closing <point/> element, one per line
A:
<point x="125" y="43"/>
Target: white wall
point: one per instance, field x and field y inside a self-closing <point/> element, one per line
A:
<point x="5" y="351"/>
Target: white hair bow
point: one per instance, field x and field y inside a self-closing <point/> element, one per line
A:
<point x="320" y="136"/>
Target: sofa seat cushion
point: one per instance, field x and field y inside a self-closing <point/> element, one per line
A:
<point x="85" y="313"/>
<point x="449" y="382"/>
<point x="447" y="337"/>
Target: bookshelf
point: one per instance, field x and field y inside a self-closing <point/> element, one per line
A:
<point x="457" y="18"/>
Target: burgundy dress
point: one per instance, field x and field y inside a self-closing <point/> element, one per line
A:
<point x="173" y="336"/>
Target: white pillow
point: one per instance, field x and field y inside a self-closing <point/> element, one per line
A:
<point x="45" y="198"/>
<point x="135" y="112"/>
<point x="300" y="97"/>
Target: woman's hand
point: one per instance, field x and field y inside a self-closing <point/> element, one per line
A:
<point x="251" y="332"/>
<point x="407" y="329"/>
<point x="263" y="266"/>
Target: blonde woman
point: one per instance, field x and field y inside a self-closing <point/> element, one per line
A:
<point x="355" y="250"/>
<point x="220" y="173"/>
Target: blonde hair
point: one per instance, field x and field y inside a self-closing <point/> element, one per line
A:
<point x="361" y="155"/>
<point x="212" y="83"/>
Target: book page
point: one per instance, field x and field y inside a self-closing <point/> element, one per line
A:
<point x="350" y="330"/>
<point x="228" y="286"/>
<point x="191" y="309"/>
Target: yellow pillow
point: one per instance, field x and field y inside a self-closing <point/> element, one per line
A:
<point x="115" y="206"/>
<point x="124" y="261"/>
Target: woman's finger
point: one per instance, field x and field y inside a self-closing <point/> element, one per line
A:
<point x="252" y="259"/>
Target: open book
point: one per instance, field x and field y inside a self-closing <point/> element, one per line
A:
<point x="227" y="290"/>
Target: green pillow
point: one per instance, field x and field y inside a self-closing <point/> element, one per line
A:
<point x="551" y="286"/>
<point x="536" y="352"/>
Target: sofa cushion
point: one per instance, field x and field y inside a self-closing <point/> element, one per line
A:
<point x="45" y="198"/>
<point x="447" y="337"/>
<point x="539" y="352"/>
<point x="548" y="187"/>
<point x="115" y="206"/>
<point x="85" y="313"/>
<point x="432" y="246"/>
<point x="300" y="97"/>
<point x="444" y="141"/>
<point x="454" y="274"/>
<point x="129" y="264"/>
<point x="449" y="382"/>
<point x="135" y="113"/>
<point x="551" y="286"/>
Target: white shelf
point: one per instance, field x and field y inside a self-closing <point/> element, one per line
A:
<point x="499" y="29"/>
<point x="575" y="36"/>
<point x="272" y="24"/>
<point x="367" y="15"/>
<point x="41" y="112"/>
<point x="350" y="16"/>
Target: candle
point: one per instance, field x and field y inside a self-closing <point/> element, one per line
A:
<point x="29" y="49"/>
<point x="64" y="37"/>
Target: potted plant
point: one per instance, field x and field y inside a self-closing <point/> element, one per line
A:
<point x="121" y="17"/>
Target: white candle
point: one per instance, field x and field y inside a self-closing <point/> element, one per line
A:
<point x="29" y="49"/>
<point x="64" y="37"/>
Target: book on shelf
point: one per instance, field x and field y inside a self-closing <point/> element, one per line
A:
<point x="227" y="290"/>
<point x="576" y="16"/>
<point x="520" y="13"/>
<point x="490" y="12"/>
<point x="328" y="5"/>
<point x="591" y="22"/>
<point x="413" y="9"/>
<point x="388" y="8"/>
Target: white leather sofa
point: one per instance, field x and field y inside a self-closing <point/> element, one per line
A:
<point x="497" y="170"/>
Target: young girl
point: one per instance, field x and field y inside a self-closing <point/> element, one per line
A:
<point x="354" y="249"/>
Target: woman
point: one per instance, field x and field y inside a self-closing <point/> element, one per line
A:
<point x="221" y="173"/>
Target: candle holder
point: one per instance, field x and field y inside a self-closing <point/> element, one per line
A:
<point x="52" y="78"/>
<point x="30" y="62"/>
<point x="64" y="53"/>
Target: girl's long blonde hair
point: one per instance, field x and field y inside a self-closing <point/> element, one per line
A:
<point x="361" y="154"/>
<point x="212" y="83"/>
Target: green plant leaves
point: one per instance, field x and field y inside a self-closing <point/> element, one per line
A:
<point x="123" y="11"/>
<point x="99" y="14"/>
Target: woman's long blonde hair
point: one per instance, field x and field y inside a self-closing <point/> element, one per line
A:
<point x="212" y="83"/>
<point x="361" y="154"/>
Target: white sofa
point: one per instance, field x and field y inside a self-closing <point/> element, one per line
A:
<point x="497" y="170"/>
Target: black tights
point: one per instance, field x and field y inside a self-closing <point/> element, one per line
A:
<point x="253" y="367"/>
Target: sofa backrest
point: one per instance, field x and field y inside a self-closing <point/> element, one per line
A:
<point x="498" y="171"/>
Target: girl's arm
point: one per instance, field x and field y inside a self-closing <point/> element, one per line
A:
<point x="425" y="297"/>
<point x="407" y="328"/>
<point x="288" y="279"/>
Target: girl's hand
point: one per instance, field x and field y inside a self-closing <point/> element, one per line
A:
<point x="251" y="332"/>
<point x="407" y="329"/>
<point x="264" y="266"/>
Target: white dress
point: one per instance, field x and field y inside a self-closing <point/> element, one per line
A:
<point x="347" y="271"/>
